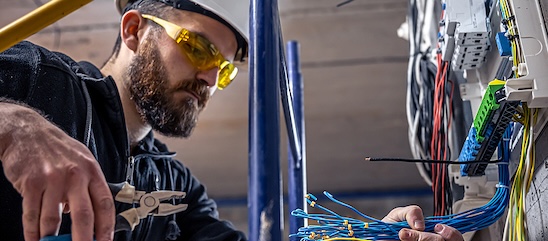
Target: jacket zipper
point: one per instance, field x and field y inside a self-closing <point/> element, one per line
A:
<point x="130" y="169"/>
<point x="146" y="223"/>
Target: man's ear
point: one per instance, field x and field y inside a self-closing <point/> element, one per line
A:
<point x="132" y="29"/>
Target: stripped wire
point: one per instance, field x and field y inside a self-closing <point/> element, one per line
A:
<point x="332" y="226"/>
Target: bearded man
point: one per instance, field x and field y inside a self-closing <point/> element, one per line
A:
<point x="67" y="128"/>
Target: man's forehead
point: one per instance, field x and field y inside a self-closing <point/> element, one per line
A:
<point x="194" y="22"/>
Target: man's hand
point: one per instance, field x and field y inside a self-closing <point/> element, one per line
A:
<point x="415" y="218"/>
<point x="49" y="168"/>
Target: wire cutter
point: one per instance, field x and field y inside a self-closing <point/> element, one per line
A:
<point x="149" y="204"/>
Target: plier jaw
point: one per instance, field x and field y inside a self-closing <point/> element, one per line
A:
<point x="149" y="204"/>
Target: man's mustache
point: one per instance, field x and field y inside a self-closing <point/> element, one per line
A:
<point x="198" y="87"/>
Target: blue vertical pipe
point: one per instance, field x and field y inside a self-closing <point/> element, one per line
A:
<point x="287" y="104"/>
<point x="265" y="200"/>
<point x="297" y="166"/>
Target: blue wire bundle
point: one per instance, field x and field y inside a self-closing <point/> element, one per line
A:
<point x="331" y="225"/>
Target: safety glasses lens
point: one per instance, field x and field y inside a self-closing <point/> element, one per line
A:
<point x="227" y="73"/>
<point x="199" y="56"/>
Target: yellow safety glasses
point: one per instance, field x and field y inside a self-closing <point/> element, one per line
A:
<point x="201" y="53"/>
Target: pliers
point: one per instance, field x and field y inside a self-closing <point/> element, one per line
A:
<point x="149" y="204"/>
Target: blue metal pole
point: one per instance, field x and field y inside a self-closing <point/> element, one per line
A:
<point x="265" y="199"/>
<point x="287" y="104"/>
<point x="297" y="166"/>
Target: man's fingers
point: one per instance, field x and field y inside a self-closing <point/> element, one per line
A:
<point x="413" y="215"/>
<point x="81" y="211"/>
<point x="50" y="214"/>
<point x="448" y="233"/>
<point x="442" y="233"/>
<point x="32" y="202"/>
<point x="414" y="235"/>
<point x="66" y="208"/>
<point x="104" y="210"/>
<point x="82" y="217"/>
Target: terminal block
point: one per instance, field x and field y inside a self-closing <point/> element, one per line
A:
<point x="465" y="34"/>
<point x="492" y="119"/>
<point x="492" y="98"/>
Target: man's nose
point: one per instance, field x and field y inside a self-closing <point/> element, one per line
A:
<point x="208" y="76"/>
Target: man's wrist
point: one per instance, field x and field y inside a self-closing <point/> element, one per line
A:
<point x="15" y="120"/>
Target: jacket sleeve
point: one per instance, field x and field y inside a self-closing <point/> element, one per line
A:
<point x="41" y="79"/>
<point x="200" y="220"/>
<point x="18" y="70"/>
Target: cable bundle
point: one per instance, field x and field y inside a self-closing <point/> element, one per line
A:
<point x="516" y="227"/>
<point x="439" y="146"/>
<point x="509" y="23"/>
<point x="332" y="226"/>
<point x="421" y="72"/>
<point x="429" y="100"/>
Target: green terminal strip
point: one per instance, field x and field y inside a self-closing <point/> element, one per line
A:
<point x="489" y="103"/>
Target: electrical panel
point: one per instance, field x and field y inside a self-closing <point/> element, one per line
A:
<point x="496" y="52"/>
<point x="476" y="107"/>
<point x="509" y="75"/>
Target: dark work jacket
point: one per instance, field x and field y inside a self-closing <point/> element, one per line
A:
<point x="83" y="103"/>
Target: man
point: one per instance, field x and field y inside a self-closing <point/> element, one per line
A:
<point x="68" y="128"/>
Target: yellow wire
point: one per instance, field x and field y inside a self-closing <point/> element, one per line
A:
<point x="517" y="56"/>
<point x="355" y="239"/>
<point x="516" y="220"/>
<point x="515" y="228"/>
<point x="532" y="154"/>
<point x="522" y="190"/>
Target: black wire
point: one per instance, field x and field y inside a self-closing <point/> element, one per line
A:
<point x="448" y="197"/>
<point x="428" y="107"/>
<point x="427" y="74"/>
<point x="450" y="89"/>
<point x="428" y="161"/>
<point x="344" y="3"/>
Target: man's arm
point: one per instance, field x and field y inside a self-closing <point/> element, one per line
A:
<point x="415" y="218"/>
<point x="49" y="168"/>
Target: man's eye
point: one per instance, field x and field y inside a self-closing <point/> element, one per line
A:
<point x="198" y="54"/>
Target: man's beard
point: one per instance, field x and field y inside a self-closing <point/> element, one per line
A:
<point x="148" y="86"/>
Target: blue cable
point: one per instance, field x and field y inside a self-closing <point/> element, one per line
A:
<point x="332" y="225"/>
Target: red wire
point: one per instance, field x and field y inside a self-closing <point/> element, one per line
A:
<point x="434" y="167"/>
<point x="436" y="138"/>
<point x="438" y="143"/>
<point x="442" y="142"/>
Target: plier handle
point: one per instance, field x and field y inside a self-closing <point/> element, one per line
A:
<point x="149" y="204"/>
